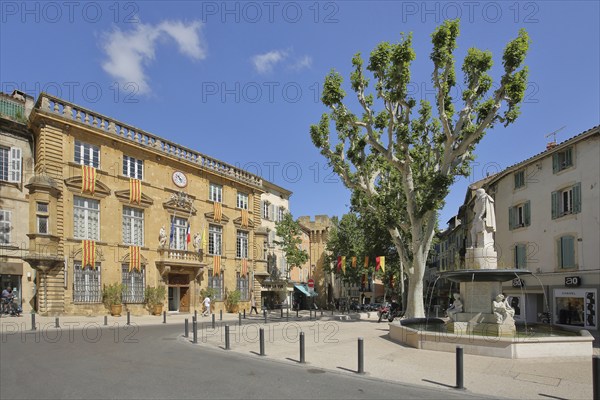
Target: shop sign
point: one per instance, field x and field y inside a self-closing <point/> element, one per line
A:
<point x="572" y="281"/>
<point x="517" y="282"/>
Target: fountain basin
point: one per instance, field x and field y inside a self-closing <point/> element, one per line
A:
<point x="436" y="338"/>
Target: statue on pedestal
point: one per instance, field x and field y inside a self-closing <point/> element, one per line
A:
<point x="484" y="222"/>
<point x="455" y="308"/>
<point x="162" y="237"/>
<point x="502" y="310"/>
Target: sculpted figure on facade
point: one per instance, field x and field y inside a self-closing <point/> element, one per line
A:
<point x="197" y="240"/>
<point x="162" y="237"/>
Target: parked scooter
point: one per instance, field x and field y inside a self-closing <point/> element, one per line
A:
<point x="383" y="312"/>
<point x="394" y="312"/>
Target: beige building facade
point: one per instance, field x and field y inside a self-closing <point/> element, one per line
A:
<point x="195" y="225"/>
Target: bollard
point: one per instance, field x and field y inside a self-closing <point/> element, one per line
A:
<point x="220" y="315"/>
<point x="332" y="311"/>
<point x="281" y="313"/>
<point x="265" y="314"/>
<point x="261" y="333"/>
<point x="164" y="317"/>
<point x="56" y="323"/>
<point x="321" y="313"/>
<point x="33" y="328"/>
<point x="459" y="368"/>
<point x="302" y="354"/>
<point x="195" y="331"/>
<point x="196" y="315"/>
<point x="244" y="313"/>
<point x="287" y="315"/>
<point x="194" y="318"/>
<point x="213" y="321"/>
<point x="297" y="311"/>
<point x="240" y="319"/>
<point x="105" y="320"/>
<point x="361" y="356"/>
<point x="187" y="328"/>
<point x="227" y="347"/>
<point x="128" y="318"/>
<point x="596" y="376"/>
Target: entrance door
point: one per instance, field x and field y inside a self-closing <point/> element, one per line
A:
<point x="173" y="298"/>
<point x="184" y="299"/>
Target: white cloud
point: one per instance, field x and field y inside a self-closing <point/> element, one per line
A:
<point x="304" y="62"/>
<point x="129" y="52"/>
<point x="264" y="63"/>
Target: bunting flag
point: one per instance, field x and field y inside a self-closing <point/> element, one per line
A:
<point x="354" y="262"/>
<point x="135" y="191"/>
<point x="204" y="239"/>
<point x="380" y="263"/>
<point x="135" y="260"/>
<point x="216" y="265"/>
<point x="339" y="263"/>
<point x="344" y="264"/>
<point x="367" y="262"/>
<point x="88" y="182"/>
<point x="218" y="210"/>
<point x="244" y="266"/>
<point x="88" y="257"/>
<point x="245" y="218"/>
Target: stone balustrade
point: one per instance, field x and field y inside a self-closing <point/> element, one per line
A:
<point x="179" y="255"/>
<point x="72" y="112"/>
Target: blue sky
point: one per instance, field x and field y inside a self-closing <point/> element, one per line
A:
<point x="240" y="81"/>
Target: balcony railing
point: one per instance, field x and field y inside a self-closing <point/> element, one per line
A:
<point x="185" y="256"/>
<point x="72" y="112"/>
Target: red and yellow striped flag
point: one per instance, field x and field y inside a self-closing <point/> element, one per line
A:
<point x="88" y="257"/>
<point x="244" y="267"/>
<point x="216" y="265"/>
<point x="344" y="264"/>
<point x="218" y="210"/>
<point x="135" y="191"/>
<point x="367" y="262"/>
<point x="354" y="262"/>
<point x="88" y="181"/>
<point x="380" y="263"/>
<point x="135" y="260"/>
<point x="245" y="218"/>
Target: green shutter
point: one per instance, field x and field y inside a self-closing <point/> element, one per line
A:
<point x="577" y="198"/>
<point x="527" y="212"/>
<point x="568" y="157"/>
<point x="521" y="251"/>
<point x="554" y="205"/>
<point x="567" y="250"/>
<point x="511" y="218"/>
<point x="555" y="163"/>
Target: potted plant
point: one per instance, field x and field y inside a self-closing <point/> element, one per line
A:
<point x="154" y="299"/>
<point x="112" y="296"/>
<point x="232" y="300"/>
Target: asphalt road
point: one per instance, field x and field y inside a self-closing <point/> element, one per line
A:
<point x="155" y="362"/>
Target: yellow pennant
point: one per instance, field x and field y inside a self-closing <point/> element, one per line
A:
<point x="216" y="265"/>
<point x="245" y="218"/>
<point x="135" y="191"/>
<point x="88" y="179"/>
<point x="88" y="248"/>
<point x="218" y="211"/>
<point x="135" y="261"/>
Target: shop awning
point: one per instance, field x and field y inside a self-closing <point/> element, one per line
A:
<point x="304" y="289"/>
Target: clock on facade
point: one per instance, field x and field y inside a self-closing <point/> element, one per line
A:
<point x="179" y="179"/>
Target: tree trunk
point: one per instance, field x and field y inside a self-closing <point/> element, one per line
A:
<point x="416" y="305"/>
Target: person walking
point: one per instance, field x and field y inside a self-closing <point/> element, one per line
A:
<point x="206" y="302"/>
<point x="253" y="304"/>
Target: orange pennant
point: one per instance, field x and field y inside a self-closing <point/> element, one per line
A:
<point x="245" y="218"/>
<point x="135" y="261"/>
<point x="216" y="265"/>
<point x="353" y="262"/>
<point x="88" y="248"/>
<point x="244" y="266"/>
<point x="135" y="191"/>
<point x="218" y="210"/>
<point x="88" y="182"/>
<point x="367" y="262"/>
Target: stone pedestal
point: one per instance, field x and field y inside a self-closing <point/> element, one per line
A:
<point x="481" y="258"/>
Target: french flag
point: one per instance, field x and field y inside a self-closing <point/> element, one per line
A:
<point x="188" y="237"/>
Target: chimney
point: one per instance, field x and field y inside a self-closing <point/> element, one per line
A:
<point x="550" y="145"/>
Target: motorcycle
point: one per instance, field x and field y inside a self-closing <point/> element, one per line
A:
<point x="383" y="312"/>
<point x="395" y="312"/>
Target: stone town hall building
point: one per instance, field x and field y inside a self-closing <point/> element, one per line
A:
<point x="109" y="192"/>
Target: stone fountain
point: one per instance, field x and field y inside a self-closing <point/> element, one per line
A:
<point x="480" y="319"/>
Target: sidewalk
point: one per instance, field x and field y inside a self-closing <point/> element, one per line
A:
<point x="331" y="343"/>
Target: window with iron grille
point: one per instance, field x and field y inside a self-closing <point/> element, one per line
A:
<point x="242" y="286"/>
<point x="215" y="234"/>
<point x="87" y="154"/>
<point x="42" y="218"/>
<point x="86" y="284"/>
<point x="242" y="201"/>
<point x="216" y="283"/>
<point x="134" y="283"/>
<point x="132" y="167"/>
<point x="133" y="226"/>
<point x="215" y="193"/>
<point x="86" y="218"/>
<point x="241" y="247"/>
<point x="5" y="227"/>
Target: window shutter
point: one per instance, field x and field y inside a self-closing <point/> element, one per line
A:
<point x="14" y="165"/>
<point x="577" y="198"/>
<point x="554" y="205"/>
<point x="262" y="208"/>
<point x="568" y="251"/>
<point x="527" y="212"/>
<point x="271" y="212"/>
<point x="521" y="256"/>
<point x="569" y="157"/>
<point x="555" y="163"/>
<point x="511" y="218"/>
